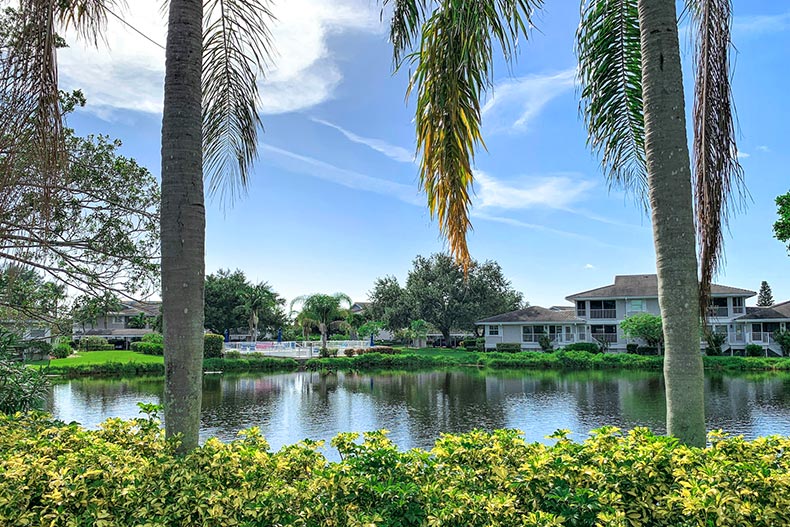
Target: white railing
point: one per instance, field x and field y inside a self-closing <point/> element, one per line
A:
<point x="294" y="346"/>
<point x="718" y="311"/>
<point x="555" y="338"/>
<point x="603" y="313"/>
<point x="605" y="337"/>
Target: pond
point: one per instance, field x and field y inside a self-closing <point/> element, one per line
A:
<point x="418" y="406"/>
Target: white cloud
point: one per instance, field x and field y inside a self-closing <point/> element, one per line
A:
<point x="589" y="266"/>
<point x="322" y="170"/>
<point x="524" y="98"/>
<point x="129" y="75"/>
<point x="763" y="148"/>
<point x="553" y="191"/>
<point x="539" y="227"/>
<point x="394" y="152"/>
<point x="761" y="24"/>
<point x="743" y="155"/>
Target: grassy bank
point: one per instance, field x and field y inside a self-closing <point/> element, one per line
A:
<point x="559" y="360"/>
<point x="129" y="363"/>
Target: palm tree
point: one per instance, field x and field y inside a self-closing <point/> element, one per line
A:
<point x="215" y="51"/>
<point x="256" y="299"/>
<point x="632" y="100"/>
<point x="323" y="310"/>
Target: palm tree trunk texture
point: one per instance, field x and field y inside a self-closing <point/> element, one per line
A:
<point x="669" y="181"/>
<point x="183" y="223"/>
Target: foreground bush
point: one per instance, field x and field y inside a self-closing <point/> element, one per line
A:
<point x="125" y="474"/>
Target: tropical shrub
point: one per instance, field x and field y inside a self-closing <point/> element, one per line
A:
<point x="383" y="350"/>
<point x="589" y="347"/>
<point x="754" y="350"/>
<point x="508" y="347"/>
<point x="339" y="337"/>
<point x="36" y="349"/>
<point x="147" y="348"/>
<point x="783" y="339"/>
<point x="714" y="342"/>
<point x="632" y="348"/>
<point x="349" y="352"/>
<point x="213" y="345"/>
<point x="94" y="343"/>
<point x="545" y="343"/>
<point x="647" y="350"/>
<point x="22" y="388"/>
<point x="480" y="343"/>
<point x="61" y="351"/>
<point x="232" y="354"/>
<point x="155" y="338"/>
<point x="126" y="474"/>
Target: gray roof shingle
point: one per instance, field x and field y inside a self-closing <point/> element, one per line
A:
<point x="534" y="314"/>
<point x="645" y="286"/>
<point x="776" y="311"/>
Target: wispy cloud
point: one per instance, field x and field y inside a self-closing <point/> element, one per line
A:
<point x="558" y="191"/>
<point x="743" y="155"/>
<point x="763" y="148"/>
<point x="761" y="24"/>
<point x="394" y="152"/>
<point x="540" y="227"/>
<point x="589" y="266"/>
<point x="129" y="73"/>
<point x="316" y="168"/>
<point x="523" y="99"/>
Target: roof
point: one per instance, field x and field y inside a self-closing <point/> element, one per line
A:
<point x="360" y="306"/>
<point x="646" y="286"/>
<point x="136" y="307"/>
<point x="126" y="332"/>
<point x="776" y="311"/>
<point x="534" y="314"/>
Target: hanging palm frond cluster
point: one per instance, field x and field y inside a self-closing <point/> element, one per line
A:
<point x="453" y="70"/>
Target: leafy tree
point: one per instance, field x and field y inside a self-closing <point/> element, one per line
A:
<point x="323" y="311"/>
<point x="632" y="100"/>
<point x="645" y="326"/>
<point x="447" y="297"/>
<point x="224" y="304"/>
<point x="371" y="327"/>
<point x="27" y="297"/>
<point x="354" y="321"/>
<point x="139" y="321"/>
<point x="259" y="303"/>
<point x="86" y="310"/>
<point x="390" y="304"/>
<point x="782" y="225"/>
<point x="22" y="388"/>
<point x="765" y="297"/>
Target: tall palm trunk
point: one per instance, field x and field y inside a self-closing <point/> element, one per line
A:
<point x="323" y="327"/>
<point x="669" y="181"/>
<point x="183" y="222"/>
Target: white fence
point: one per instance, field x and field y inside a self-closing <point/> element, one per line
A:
<point x="295" y="348"/>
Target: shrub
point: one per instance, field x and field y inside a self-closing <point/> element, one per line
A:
<point x="714" y="343"/>
<point x="36" y="349"/>
<point x="480" y="343"/>
<point x="754" y="350"/>
<point x="147" y="348"/>
<point x="349" y="352"/>
<point x="545" y="343"/>
<point x="22" y="388"/>
<point x="155" y="338"/>
<point x="647" y="350"/>
<point x="632" y="348"/>
<point x="232" y="354"/>
<point x="339" y="337"/>
<point x="93" y="343"/>
<point x="126" y="474"/>
<point x="589" y="347"/>
<point x="213" y="345"/>
<point x="61" y="351"/>
<point x="508" y="347"/>
<point x="783" y="339"/>
<point x="382" y="350"/>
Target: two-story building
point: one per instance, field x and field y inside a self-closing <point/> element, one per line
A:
<point x="121" y="327"/>
<point x="596" y="314"/>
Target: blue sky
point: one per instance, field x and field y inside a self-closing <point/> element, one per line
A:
<point x="334" y="201"/>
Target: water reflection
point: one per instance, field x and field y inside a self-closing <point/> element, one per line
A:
<point x="418" y="406"/>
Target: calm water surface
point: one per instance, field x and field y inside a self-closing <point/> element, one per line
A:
<point x="418" y="406"/>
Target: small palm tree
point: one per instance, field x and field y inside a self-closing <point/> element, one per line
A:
<point x="255" y="300"/>
<point x="323" y="310"/>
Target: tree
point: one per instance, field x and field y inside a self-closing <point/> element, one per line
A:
<point x="354" y="321"/>
<point x="258" y="299"/>
<point x="765" y="297"/>
<point x="224" y="304"/>
<point x="449" y="296"/>
<point x="645" y="326"/>
<point x="108" y="303"/>
<point x="389" y="304"/>
<point x="782" y="225"/>
<point x="27" y="297"/>
<point x="632" y="99"/>
<point x="139" y="321"/>
<point x="322" y="310"/>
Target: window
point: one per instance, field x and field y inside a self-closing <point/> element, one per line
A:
<point x="493" y="331"/>
<point x="637" y="306"/>
<point x="581" y="308"/>
<point x="527" y="334"/>
<point x="737" y="305"/>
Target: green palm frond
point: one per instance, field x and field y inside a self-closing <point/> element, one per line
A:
<point x="719" y="185"/>
<point x="610" y="72"/>
<point x="453" y="71"/>
<point x="87" y="17"/>
<point x="237" y="47"/>
<point x="407" y="19"/>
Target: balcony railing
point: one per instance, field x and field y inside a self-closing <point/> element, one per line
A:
<point x="764" y="337"/>
<point x="603" y="313"/>
<point x="605" y="337"/>
<point x="553" y="337"/>
<point x="718" y="311"/>
<point x="581" y="313"/>
<point x="738" y="310"/>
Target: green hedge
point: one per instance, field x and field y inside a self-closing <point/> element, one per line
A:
<point x="129" y="369"/>
<point x="213" y="346"/>
<point x="508" y="347"/>
<point x="125" y="474"/>
<point x="147" y="348"/>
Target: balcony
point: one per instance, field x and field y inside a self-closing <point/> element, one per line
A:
<point x="718" y="311"/>
<point x="603" y="313"/>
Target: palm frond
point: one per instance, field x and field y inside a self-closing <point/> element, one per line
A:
<point x="407" y="19"/>
<point x="610" y="73"/>
<point x="719" y="185"/>
<point x="454" y="69"/>
<point x="237" y="49"/>
<point x="87" y="17"/>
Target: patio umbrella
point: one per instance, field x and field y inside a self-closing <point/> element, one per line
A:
<point x="371" y="340"/>
<point x="280" y="335"/>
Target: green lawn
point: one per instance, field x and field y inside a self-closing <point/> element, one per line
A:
<point x="102" y="357"/>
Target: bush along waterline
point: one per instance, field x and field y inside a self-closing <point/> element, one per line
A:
<point x="129" y="369"/>
<point x="127" y="474"/>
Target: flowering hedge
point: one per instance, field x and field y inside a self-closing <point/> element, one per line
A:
<point x="125" y="474"/>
